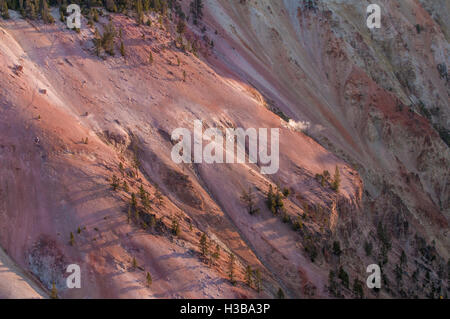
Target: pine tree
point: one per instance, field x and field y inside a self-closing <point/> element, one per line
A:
<point x="149" y="279"/>
<point x="181" y="27"/>
<point x="146" y="5"/>
<point x="54" y="291"/>
<point x="72" y="239"/>
<point x="216" y="254"/>
<point x="231" y="268"/>
<point x="144" y="197"/>
<point x="139" y="12"/>
<point x="133" y="201"/>
<point x="337" y="248"/>
<point x="248" y="276"/>
<point x="175" y="227"/>
<point x="95" y="15"/>
<point x="97" y="42"/>
<point x="134" y="263"/>
<point x="4" y="9"/>
<point x="125" y="187"/>
<point x="111" y="6"/>
<point x="280" y="294"/>
<point x="150" y="58"/>
<point x="108" y="38"/>
<point x="358" y="288"/>
<point x="159" y="197"/>
<point x="122" y="49"/>
<point x="271" y="200"/>
<point x="196" y="7"/>
<point x="30" y="10"/>
<point x="114" y="182"/>
<point x="403" y="259"/>
<point x="204" y="245"/>
<point x="45" y="14"/>
<point x="274" y="200"/>
<point x="249" y="199"/>
<point x="142" y="192"/>
<point x="337" y="180"/>
<point x="258" y="280"/>
<point x="343" y="276"/>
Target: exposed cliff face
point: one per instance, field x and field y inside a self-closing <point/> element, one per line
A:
<point x="381" y="96"/>
<point x="359" y="91"/>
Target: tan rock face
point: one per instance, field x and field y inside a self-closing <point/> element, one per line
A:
<point x="353" y="100"/>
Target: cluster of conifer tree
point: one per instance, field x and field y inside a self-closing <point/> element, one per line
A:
<point x="39" y="9"/>
<point x="32" y="9"/>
